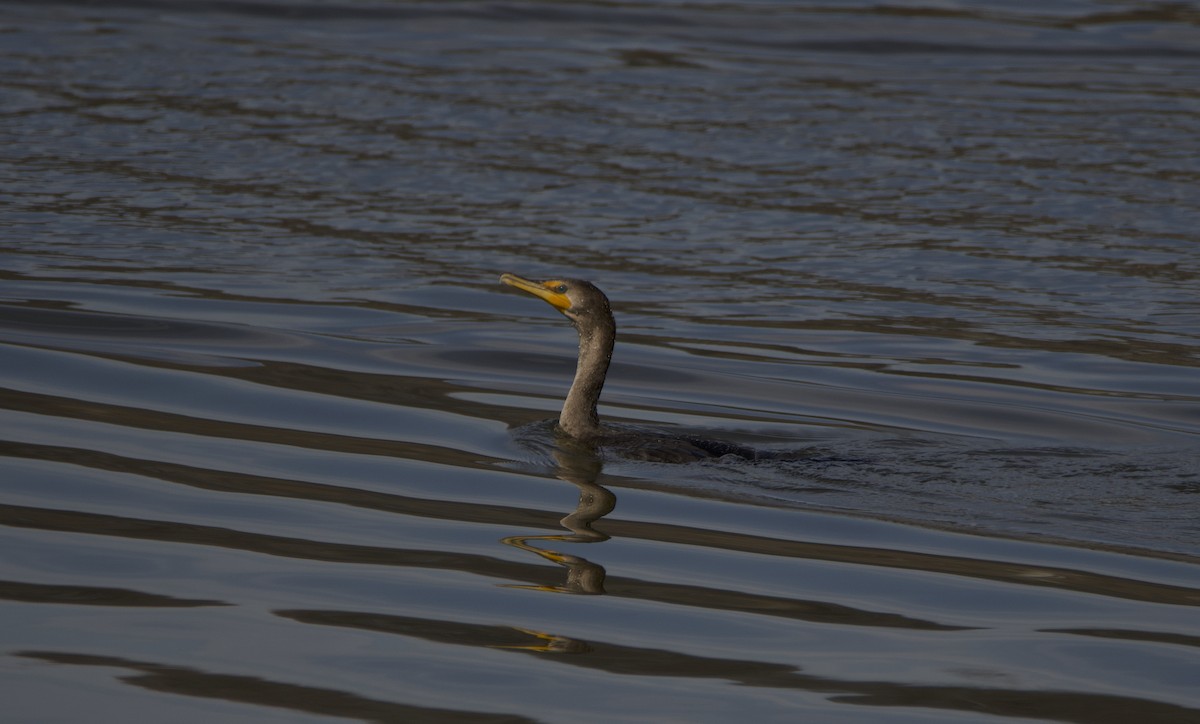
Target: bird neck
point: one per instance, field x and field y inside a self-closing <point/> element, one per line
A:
<point x="579" y="417"/>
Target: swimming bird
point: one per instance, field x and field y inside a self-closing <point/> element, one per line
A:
<point x="588" y="310"/>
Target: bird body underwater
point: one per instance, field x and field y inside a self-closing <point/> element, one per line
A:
<point x="588" y="310"/>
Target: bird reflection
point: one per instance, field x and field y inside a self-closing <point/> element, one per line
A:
<point x="579" y="466"/>
<point x="549" y="643"/>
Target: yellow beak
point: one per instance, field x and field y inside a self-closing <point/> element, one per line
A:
<point x="545" y="290"/>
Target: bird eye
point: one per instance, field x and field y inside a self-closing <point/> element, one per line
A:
<point x="561" y="289"/>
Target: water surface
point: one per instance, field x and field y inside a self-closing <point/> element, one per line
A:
<point x="273" y="433"/>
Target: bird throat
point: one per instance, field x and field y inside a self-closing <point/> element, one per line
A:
<point x="579" y="417"/>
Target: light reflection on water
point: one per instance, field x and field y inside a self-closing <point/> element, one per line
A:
<point x="271" y="427"/>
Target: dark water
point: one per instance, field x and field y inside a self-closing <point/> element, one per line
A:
<point x="271" y="431"/>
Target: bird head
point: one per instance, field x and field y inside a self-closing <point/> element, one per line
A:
<point x="579" y="301"/>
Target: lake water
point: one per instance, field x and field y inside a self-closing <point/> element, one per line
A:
<point x="273" y="434"/>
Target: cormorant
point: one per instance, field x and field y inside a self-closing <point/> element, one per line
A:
<point x="588" y="310"/>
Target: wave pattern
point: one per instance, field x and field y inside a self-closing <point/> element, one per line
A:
<point x="273" y="442"/>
